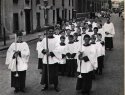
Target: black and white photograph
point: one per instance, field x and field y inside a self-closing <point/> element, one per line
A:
<point x="62" y="47"/>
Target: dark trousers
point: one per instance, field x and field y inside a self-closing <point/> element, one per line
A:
<point x="53" y="74"/>
<point x="71" y="67"/>
<point x="100" y="64"/>
<point x="108" y="42"/>
<point x="40" y="63"/>
<point x="18" y="82"/>
<point x="62" y="69"/>
<point x="84" y="83"/>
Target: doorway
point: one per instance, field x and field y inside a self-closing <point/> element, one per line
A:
<point x="57" y="15"/>
<point x="28" y="20"/>
<point x="15" y="22"/>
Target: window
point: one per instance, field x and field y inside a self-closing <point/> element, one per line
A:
<point x="53" y="2"/>
<point x="62" y="2"/>
<point x="15" y="22"/>
<point x="69" y="14"/>
<point x="63" y="14"/>
<point x="53" y="16"/>
<point x="15" y="1"/>
<point x="69" y="2"/>
<point x="37" y="2"/>
<point x="27" y="1"/>
<point x="38" y="19"/>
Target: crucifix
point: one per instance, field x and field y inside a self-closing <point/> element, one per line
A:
<point x="46" y="8"/>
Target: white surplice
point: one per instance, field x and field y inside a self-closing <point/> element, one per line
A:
<point x="90" y="65"/>
<point x="22" y="62"/>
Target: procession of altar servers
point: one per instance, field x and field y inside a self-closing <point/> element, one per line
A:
<point x="76" y="49"/>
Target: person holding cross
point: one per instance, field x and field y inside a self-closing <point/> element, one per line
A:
<point x="50" y="61"/>
<point x="17" y="58"/>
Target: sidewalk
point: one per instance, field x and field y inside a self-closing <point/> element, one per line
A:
<point x="27" y="38"/>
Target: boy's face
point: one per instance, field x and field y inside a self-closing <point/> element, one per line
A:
<point x="95" y="30"/>
<point x="99" y="37"/>
<point x="68" y="32"/>
<point x="83" y="30"/>
<point x="70" y="39"/>
<point x="19" y="38"/>
<point x="90" y="27"/>
<point x="78" y="31"/>
<point x="73" y="27"/>
<point x="93" y="39"/>
<point x="62" y="40"/>
<point x="57" y="31"/>
<point x="63" y="34"/>
<point x="86" y="40"/>
<point x="75" y="37"/>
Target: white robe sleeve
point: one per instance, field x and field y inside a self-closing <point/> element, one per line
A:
<point x="93" y="58"/>
<point x="9" y="54"/>
<point x="25" y="52"/>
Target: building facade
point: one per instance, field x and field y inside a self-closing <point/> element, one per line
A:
<point x="26" y="15"/>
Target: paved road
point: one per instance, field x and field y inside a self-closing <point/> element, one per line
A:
<point x="110" y="83"/>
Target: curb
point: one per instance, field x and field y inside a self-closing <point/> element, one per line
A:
<point x="5" y="48"/>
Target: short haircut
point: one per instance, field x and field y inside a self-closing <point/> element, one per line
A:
<point x="90" y="25"/>
<point x="70" y="36"/>
<point x="84" y="28"/>
<point x="86" y="36"/>
<point x="99" y="34"/>
<point x="96" y="28"/>
<point x="62" y="37"/>
<point x="75" y="34"/>
<point x="93" y="37"/>
<point x="62" y="31"/>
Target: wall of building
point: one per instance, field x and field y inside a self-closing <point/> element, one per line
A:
<point x="9" y="8"/>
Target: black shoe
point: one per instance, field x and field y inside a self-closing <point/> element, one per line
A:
<point x="16" y="90"/>
<point x="45" y="88"/>
<point x="57" y="89"/>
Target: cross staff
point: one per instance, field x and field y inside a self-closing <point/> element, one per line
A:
<point x="46" y="8"/>
<point x="16" y="75"/>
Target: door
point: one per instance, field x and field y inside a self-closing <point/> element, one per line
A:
<point x="27" y="20"/>
<point x="65" y="14"/>
<point x="38" y="19"/>
<point x="57" y="15"/>
<point x="15" y="22"/>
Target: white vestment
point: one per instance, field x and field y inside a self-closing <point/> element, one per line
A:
<point x="22" y="62"/>
<point x="90" y="65"/>
<point x="51" y="46"/>
<point x="110" y="29"/>
<point x="39" y="49"/>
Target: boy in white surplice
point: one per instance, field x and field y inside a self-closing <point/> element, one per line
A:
<point x="17" y="58"/>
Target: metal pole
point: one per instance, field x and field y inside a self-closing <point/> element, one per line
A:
<point x="4" y="34"/>
<point x="46" y="15"/>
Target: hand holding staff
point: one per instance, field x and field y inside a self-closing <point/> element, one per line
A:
<point x="17" y="75"/>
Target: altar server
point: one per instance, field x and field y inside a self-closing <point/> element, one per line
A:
<point x="86" y="66"/>
<point x="40" y="55"/>
<point x="89" y="31"/>
<point x="70" y="55"/>
<point x="17" y="58"/>
<point x="110" y="32"/>
<point x="50" y="70"/>
<point x="102" y="54"/>
<point x="61" y="50"/>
